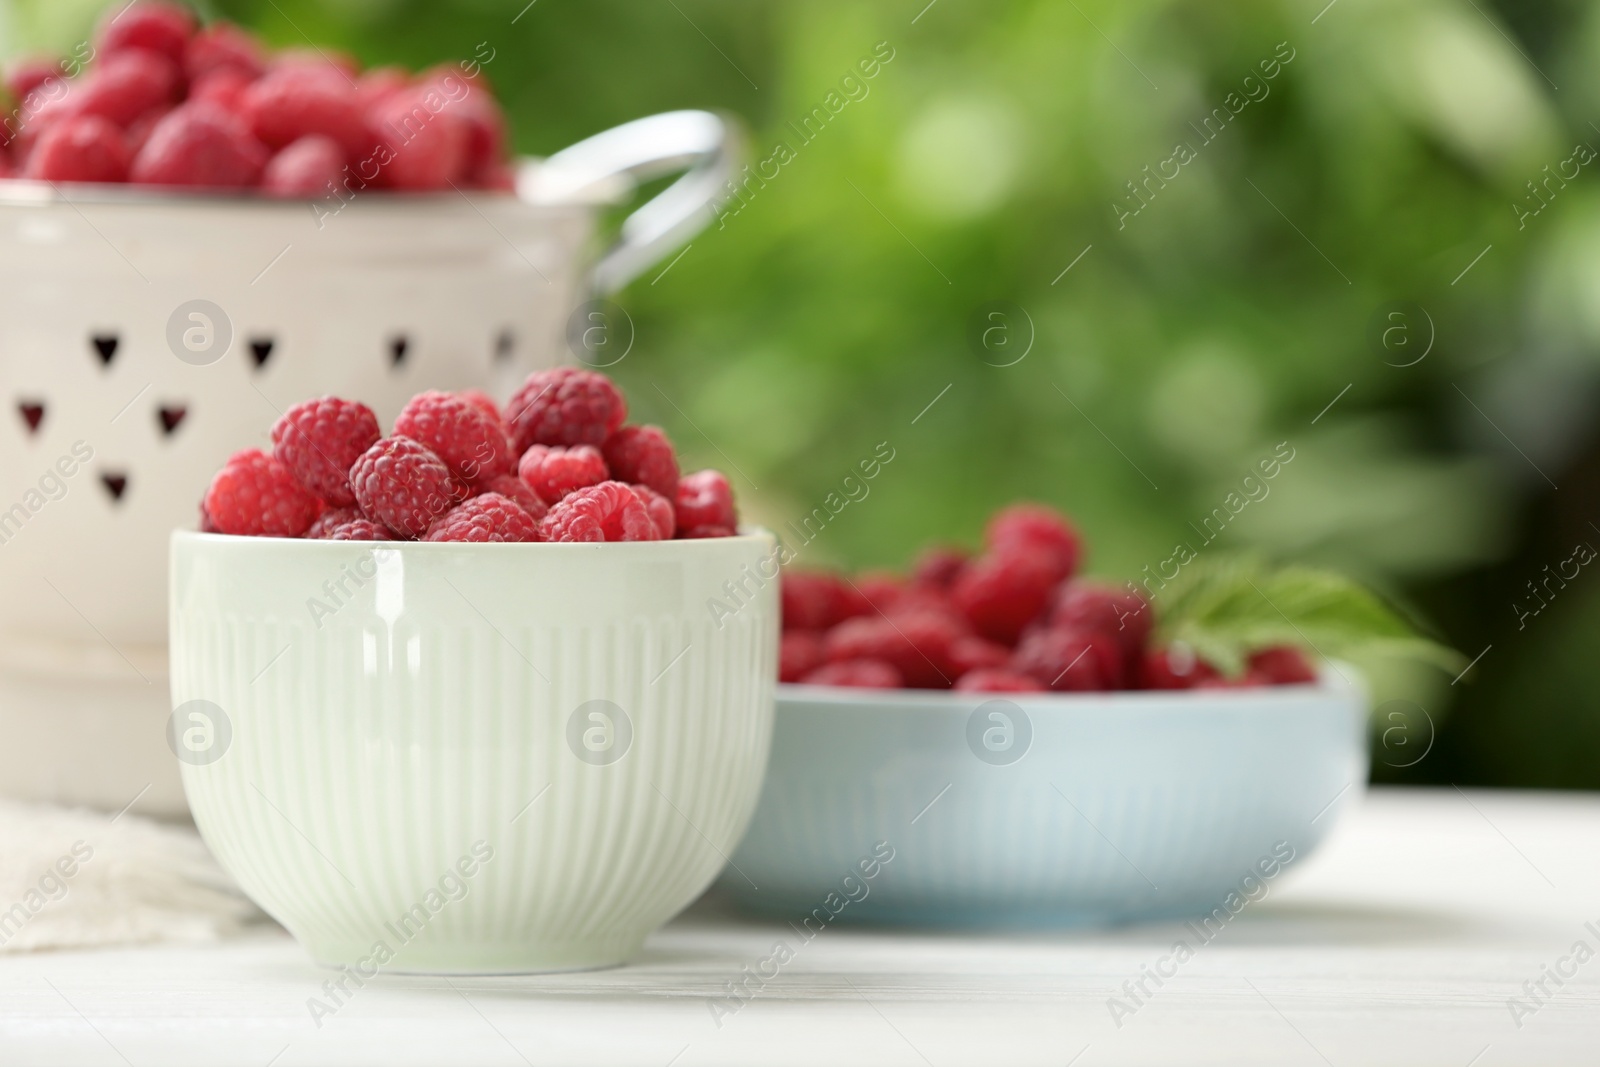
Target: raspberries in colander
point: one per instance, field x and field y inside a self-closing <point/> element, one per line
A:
<point x="210" y="108"/>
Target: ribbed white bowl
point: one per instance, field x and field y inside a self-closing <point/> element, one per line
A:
<point x="390" y="728"/>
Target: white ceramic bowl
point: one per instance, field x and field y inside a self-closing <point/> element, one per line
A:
<point x="1045" y="809"/>
<point x="548" y="749"/>
<point x="138" y="401"/>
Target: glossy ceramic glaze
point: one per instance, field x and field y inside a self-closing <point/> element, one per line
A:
<point x="1054" y="809"/>
<point x="483" y="758"/>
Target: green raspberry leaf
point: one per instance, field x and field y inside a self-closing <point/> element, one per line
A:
<point x="1227" y="607"/>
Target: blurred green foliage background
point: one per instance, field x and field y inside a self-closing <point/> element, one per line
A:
<point x="1387" y="159"/>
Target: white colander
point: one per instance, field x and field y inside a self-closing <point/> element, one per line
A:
<point x="145" y="336"/>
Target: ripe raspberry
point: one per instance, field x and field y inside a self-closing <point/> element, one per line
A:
<point x="1071" y="660"/>
<point x="696" y="533"/>
<point x="660" y="509"/>
<point x="206" y="525"/>
<point x="553" y="472"/>
<point x="853" y="601"/>
<point x="25" y="75"/>
<point x="478" y="111"/>
<point x="427" y="145"/>
<point x="137" y="135"/>
<point x="458" y="432"/>
<point x="319" y="440"/>
<point x="920" y="598"/>
<point x="997" y="680"/>
<point x="1174" y="667"/>
<point x="403" y="485"/>
<point x="1122" y="613"/>
<point x="287" y="103"/>
<point x="223" y="88"/>
<point x="128" y="84"/>
<point x="705" y="498"/>
<point x="256" y="496"/>
<point x="1039" y="527"/>
<point x="490" y="517"/>
<point x="360" y="530"/>
<point x="329" y="519"/>
<point x="918" y="646"/>
<point x="199" y="144"/>
<point x="307" y="168"/>
<point x="222" y="46"/>
<point x="83" y="148"/>
<point x="642" y="455"/>
<point x="938" y="567"/>
<point x="1282" y="665"/>
<point x="565" y="406"/>
<point x="972" y="653"/>
<point x="610" y="511"/>
<point x="857" y="674"/>
<point x="799" y="653"/>
<point x="149" y="24"/>
<point x="486" y="135"/>
<point x="484" y="403"/>
<point x="379" y="84"/>
<point x="1002" y="592"/>
<point x="509" y="485"/>
<point x="880" y="589"/>
<point x="812" y="600"/>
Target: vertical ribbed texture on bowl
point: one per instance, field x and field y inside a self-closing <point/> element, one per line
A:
<point x="428" y="716"/>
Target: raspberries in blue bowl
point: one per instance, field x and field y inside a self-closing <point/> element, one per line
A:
<point x="1014" y="618"/>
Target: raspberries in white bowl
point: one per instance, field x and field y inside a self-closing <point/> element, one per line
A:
<point x="558" y="464"/>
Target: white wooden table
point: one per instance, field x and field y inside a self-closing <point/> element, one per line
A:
<point x="1400" y="943"/>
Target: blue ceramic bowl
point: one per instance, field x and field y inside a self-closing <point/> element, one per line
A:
<point x="947" y="808"/>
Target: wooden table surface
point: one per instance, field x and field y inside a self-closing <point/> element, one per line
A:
<point x="1407" y="940"/>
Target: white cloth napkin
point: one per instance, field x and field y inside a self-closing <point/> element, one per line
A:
<point x="77" y="879"/>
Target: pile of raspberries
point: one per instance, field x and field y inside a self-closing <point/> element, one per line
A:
<point x="157" y="100"/>
<point x="556" y="465"/>
<point x="1012" y="619"/>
